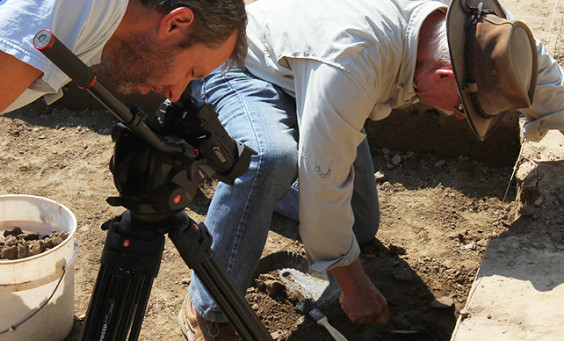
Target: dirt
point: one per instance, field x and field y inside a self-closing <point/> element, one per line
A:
<point x="438" y="214"/>
<point x="18" y="244"/>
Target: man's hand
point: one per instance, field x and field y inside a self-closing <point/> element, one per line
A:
<point x="361" y="301"/>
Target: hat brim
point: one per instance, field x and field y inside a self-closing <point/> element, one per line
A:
<point x="456" y="19"/>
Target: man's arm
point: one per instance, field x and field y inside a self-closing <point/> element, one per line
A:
<point x="15" y="77"/>
<point x="547" y="111"/>
<point x="361" y="301"/>
<point x="333" y="106"/>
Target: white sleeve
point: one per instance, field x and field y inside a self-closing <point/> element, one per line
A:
<point x="547" y="111"/>
<point x="83" y="26"/>
<point x="332" y="108"/>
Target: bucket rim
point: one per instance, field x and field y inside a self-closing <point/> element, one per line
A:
<point x="70" y="237"/>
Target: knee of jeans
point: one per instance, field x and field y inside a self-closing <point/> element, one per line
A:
<point x="281" y="163"/>
<point x="366" y="226"/>
<point x="365" y="234"/>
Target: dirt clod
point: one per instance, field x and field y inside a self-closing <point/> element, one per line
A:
<point x="16" y="244"/>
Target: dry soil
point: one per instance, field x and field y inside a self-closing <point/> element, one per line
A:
<point x="437" y="217"/>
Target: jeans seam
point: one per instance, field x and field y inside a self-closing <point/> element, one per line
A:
<point x="236" y="245"/>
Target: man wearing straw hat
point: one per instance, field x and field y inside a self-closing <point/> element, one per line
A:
<point x="315" y="71"/>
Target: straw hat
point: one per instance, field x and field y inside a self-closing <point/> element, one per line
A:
<point x="494" y="62"/>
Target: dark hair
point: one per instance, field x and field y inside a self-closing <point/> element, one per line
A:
<point x="214" y="22"/>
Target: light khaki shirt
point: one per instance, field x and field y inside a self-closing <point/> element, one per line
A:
<point x="344" y="61"/>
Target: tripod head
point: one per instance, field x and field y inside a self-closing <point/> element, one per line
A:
<point x="151" y="181"/>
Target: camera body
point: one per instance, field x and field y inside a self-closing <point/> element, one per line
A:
<point x="199" y="125"/>
<point x="152" y="181"/>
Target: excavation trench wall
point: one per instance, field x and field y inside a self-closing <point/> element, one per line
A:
<point x="415" y="128"/>
<point x="423" y="129"/>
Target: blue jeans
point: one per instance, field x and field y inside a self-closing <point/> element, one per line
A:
<point x="263" y="117"/>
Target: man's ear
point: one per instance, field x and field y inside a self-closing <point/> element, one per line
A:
<point x="176" y="21"/>
<point x="444" y="73"/>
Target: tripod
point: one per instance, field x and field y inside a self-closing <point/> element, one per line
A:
<point x="157" y="173"/>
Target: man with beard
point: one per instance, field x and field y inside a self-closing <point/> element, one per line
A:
<point x="154" y="45"/>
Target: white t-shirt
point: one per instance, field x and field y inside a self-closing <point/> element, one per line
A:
<point x="84" y="26"/>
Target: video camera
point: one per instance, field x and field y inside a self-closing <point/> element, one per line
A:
<point x="199" y="125"/>
<point x="149" y="179"/>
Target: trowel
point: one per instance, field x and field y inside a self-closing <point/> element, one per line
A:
<point x="320" y="287"/>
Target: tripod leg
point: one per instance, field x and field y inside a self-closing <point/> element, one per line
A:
<point x="193" y="243"/>
<point x="130" y="262"/>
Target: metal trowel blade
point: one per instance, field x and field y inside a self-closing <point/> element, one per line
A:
<point x="320" y="287"/>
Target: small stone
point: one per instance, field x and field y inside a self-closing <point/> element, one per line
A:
<point x="35" y="247"/>
<point x="482" y="242"/>
<point x="380" y="177"/>
<point x="56" y="241"/>
<point x="22" y="251"/>
<point x="9" y="252"/>
<point x="440" y="163"/>
<point x="274" y="288"/>
<point x="29" y="236"/>
<point x="442" y="302"/>
<point x="11" y="240"/>
<point x="464" y="313"/>
<point x="468" y="246"/>
<point x="396" y="160"/>
<point x="295" y="296"/>
<point x="49" y="243"/>
<point x="556" y="235"/>
<point x="63" y="234"/>
<point x="277" y="334"/>
<point x="13" y="232"/>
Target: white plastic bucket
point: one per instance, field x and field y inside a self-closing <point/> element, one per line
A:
<point x="37" y="293"/>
